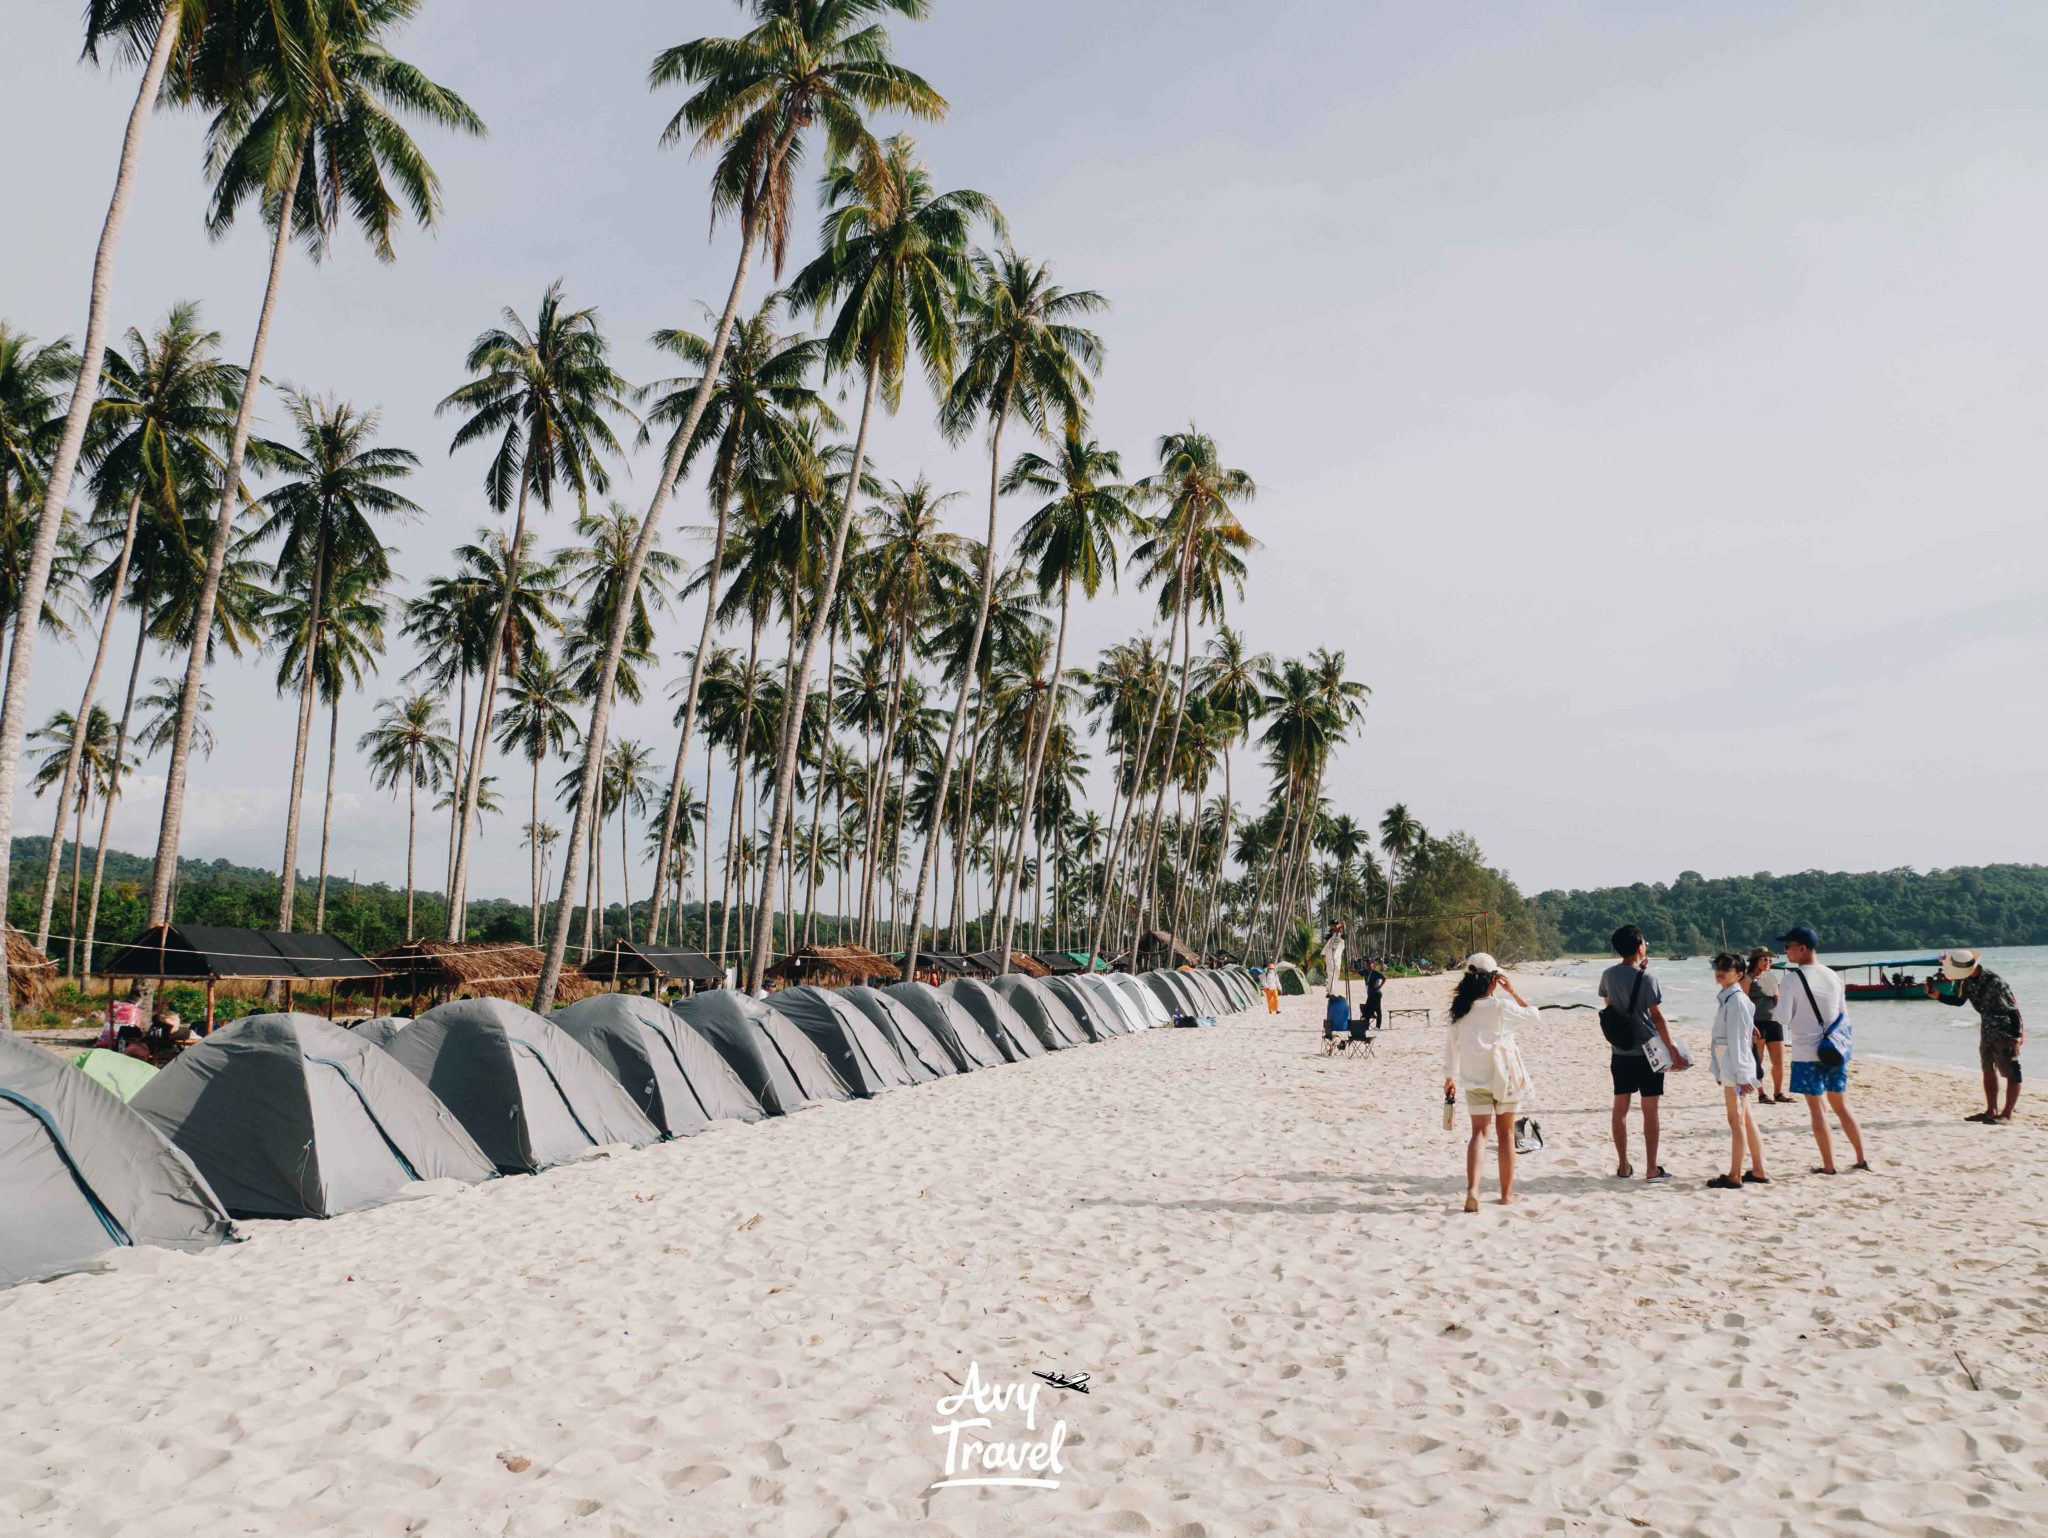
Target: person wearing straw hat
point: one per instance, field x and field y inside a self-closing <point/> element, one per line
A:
<point x="2000" y="1030"/>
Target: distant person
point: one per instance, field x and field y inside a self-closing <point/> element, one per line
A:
<point x="1811" y="999"/>
<point x="1375" y="1003"/>
<point x="1481" y="1058"/>
<point x="2000" y="1030"/>
<point x="1333" y="961"/>
<point x="1273" y="987"/>
<point x="1761" y="984"/>
<point x="1733" y="1055"/>
<point x="1631" y="988"/>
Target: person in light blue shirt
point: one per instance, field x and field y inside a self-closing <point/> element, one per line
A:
<point x="1733" y="1054"/>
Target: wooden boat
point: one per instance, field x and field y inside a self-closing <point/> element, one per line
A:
<point x="1870" y="980"/>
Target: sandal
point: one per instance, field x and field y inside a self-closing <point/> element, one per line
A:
<point x="1983" y="1116"/>
<point x="1863" y="1165"/>
<point x="1723" y="1183"/>
<point x="1659" y="1173"/>
<point x="1781" y="1100"/>
<point x="1754" y="1179"/>
<point x="1626" y="1172"/>
<point x="1818" y="1170"/>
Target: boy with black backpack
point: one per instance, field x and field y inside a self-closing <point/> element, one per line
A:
<point x="1631" y="1017"/>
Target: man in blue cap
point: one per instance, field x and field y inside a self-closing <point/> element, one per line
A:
<point x="1809" y="1001"/>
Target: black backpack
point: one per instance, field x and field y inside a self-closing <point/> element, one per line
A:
<point x="1621" y="1030"/>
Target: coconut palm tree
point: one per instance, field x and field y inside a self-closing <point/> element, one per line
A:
<point x="1023" y="357"/>
<point x="536" y="722"/>
<point x="632" y="779"/>
<point x="804" y="66"/>
<point x="1195" y="549"/>
<point x="150" y="31"/>
<point x="758" y="406"/>
<point x="1229" y="677"/>
<point x="163" y="415"/>
<point x="1400" y="835"/>
<point x="546" y="394"/>
<point x="306" y="126"/>
<point x="32" y="415"/>
<point x="340" y="484"/>
<point x="95" y="777"/>
<point x="1071" y="538"/>
<point x="409" y="746"/>
<point x="894" y="260"/>
<point x="594" y="576"/>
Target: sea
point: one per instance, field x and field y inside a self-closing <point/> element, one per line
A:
<point x="1904" y="1030"/>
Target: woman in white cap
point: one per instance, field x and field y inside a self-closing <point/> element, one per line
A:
<point x="2000" y="1030"/>
<point x="1481" y="1058"/>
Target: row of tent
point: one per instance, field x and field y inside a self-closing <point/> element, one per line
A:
<point x="289" y="1115"/>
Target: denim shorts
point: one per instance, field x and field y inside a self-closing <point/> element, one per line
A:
<point x="1816" y="1079"/>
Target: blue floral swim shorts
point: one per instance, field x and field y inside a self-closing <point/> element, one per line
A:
<point x="1815" y="1079"/>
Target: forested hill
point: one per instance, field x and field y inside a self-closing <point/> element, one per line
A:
<point x="1972" y="905"/>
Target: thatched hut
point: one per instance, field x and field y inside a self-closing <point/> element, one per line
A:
<point x="991" y="962"/>
<point x="833" y="966"/>
<point x="440" y="970"/>
<point x="29" y="971"/>
<point x="1159" y="951"/>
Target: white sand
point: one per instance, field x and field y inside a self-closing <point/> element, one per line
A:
<point x="1257" y="1253"/>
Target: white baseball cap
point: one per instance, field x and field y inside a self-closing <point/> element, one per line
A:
<point x="1481" y="961"/>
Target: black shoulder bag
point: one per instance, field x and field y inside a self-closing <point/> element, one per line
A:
<point x="1620" y="1029"/>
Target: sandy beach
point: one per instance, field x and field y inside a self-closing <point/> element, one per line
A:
<point x="1256" y="1252"/>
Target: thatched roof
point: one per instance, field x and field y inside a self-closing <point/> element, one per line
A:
<point x="29" y="971"/>
<point x="470" y="970"/>
<point x="992" y="962"/>
<point x="1157" y="949"/>
<point x="833" y="966"/>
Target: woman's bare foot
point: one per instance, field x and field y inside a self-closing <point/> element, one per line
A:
<point x="1508" y="1199"/>
<point x="1471" y="1202"/>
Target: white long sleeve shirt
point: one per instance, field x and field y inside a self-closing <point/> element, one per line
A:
<point x="1469" y="1043"/>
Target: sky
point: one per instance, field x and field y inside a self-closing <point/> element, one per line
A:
<point x="1646" y="398"/>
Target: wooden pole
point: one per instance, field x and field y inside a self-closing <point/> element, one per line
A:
<point x="210" y="981"/>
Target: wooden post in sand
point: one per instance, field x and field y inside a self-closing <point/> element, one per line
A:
<point x="210" y="981"/>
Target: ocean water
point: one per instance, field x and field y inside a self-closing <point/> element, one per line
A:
<point x="1908" y="1030"/>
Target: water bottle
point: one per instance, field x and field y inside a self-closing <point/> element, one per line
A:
<point x="1450" y="1108"/>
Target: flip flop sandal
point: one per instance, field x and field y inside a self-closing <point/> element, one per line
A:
<point x="1819" y="1171"/>
<point x="1626" y="1172"/>
<point x="1659" y="1173"/>
<point x="1754" y="1179"/>
<point x="1863" y="1165"/>
<point x="1723" y="1183"/>
<point x="1983" y="1116"/>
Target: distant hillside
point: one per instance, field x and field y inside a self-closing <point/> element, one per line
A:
<point x="1972" y="905"/>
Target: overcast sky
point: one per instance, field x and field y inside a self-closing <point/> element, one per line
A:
<point x="1647" y="398"/>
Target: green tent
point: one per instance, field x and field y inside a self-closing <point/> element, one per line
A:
<point x="115" y="1071"/>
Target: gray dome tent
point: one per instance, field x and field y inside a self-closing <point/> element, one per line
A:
<point x="952" y="1026"/>
<point x="776" y="1061"/>
<point x="1172" y="993"/>
<point x="852" y="1043"/>
<point x="380" y="1031"/>
<point x="673" y="1075"/>
<point x="529" y="1095"/>
<point x="81" y="1173"/>
<point x="999" y="1018"/>
<point x="1046" y="1015"/>
<point x="1128" y="1018"/>
<point x="1204" y="988"/>
<point x="1086" y="1009"/>
<point x="923" y="1058"/>
<point x="291" y="1116"/>
<point x="1143" y="999"/>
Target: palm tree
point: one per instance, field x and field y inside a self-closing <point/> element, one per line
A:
<point x="1400" y="834"/>
<point x="895" y="258"/>
<point x="162" y="414"/>
<point x="803" y="65"/>
<point x="341" y="483"/>
<point x="631" y="781"/>
<point x="544" y="393"/>
<point x="306" y="126"/>
<point x="1023" y="357"/>
<point x="594" y="574"/>
<point x="536" y="722"/>
<point x="1196" y="546"/>
<point x="1072" y="538"/>
<point x="96" y="779"/>
<point x="151" y="31"/>
<point x="760" y="403"/>
<point x="1229" y="678"/>
<point x="409" y="745"/>
<point x="31" y="393"/>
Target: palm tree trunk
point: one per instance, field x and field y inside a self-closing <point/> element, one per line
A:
<point x="454" y="796"/>
<point x="533" y="843"/>
<point x="77" y="860"/>
<point x="1120" y="826"/>
<point x="57" y="490"/>
<point x="615" y="643"/>
<point x="1222" y="856"/>
<point x="76" y="751"/>
<point x="216" y="561"/>
<point x="963" y="828"/>
<point x="675" y="789"/>
<point x="1148" y="902"/>
<point x="487" y="693"/>
<point x="327" y="813"/>
<point x="1034" y="762"/>
<point x="626" y="865"/>
<point x="308" y="686"/>
<point x="99" y="858"/>
<point x="878" y="780"/>
<point x="821" y="616"/>
<point x="412" y="825"/>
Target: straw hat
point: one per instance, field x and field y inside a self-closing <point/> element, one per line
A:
<point x="1957" y="965"/>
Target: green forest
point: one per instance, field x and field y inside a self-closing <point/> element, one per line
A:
<point x="1971" y="905"/>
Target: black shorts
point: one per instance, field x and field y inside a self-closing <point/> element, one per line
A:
<point x="1770" y="1030"/>
<point x="1632" y="1076"/>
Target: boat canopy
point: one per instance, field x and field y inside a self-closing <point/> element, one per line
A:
<point x="1865" y="966"/>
